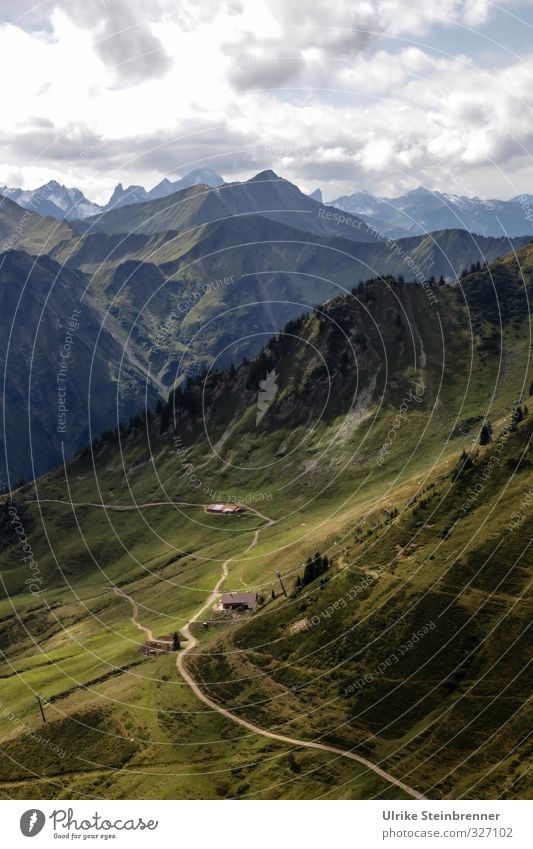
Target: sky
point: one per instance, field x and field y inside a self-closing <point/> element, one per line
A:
<point x="345" y="95"/>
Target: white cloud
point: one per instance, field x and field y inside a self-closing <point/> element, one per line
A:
<point x="149" y="87"/>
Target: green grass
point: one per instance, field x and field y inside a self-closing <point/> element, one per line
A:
<point x="450" y="714"/>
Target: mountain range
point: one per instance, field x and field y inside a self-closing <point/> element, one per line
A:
<point x="165" y="288"/>
<point x="417" y="212"/>
<point x="58" y="201"/>
<point x="423" y="211"/>
<point x="388" y="548"/>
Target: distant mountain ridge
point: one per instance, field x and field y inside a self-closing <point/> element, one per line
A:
<point x="418" y="212"/>
<point x="138" y="194"/>
<point x="53" y="199"/>
<point x="171" y="282"/>
<point x="58" y="201"/>
<point x="265" y="194"/>
<point x="423" y="211"/>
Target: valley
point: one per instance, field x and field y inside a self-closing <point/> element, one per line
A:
<point x="399" y="669"/>
<point x="163" y="288"/>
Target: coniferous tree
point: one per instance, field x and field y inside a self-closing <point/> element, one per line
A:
<point x="315" y="567"/>
<point x="465" y="463"/>
<point x="486" y="433"/>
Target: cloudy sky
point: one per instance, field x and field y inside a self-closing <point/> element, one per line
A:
<point x="347" y="95"/>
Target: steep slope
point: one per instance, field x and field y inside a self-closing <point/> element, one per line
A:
<point x="266" y="193"/>
<point x="248" y="271"/>
<point x="29" y="231"/>
<point x="345" y="435"/>
<point x="181" y="298"/>
<point x="65" y="372"/>
<point x="210" y="281"/>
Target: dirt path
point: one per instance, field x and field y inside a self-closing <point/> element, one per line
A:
<point x="135" y="613"/>
<point x="118" y="507"/>
<point x="192" y="642"/>
<point x="121" y="508"/>
<point x="268" y="524"/>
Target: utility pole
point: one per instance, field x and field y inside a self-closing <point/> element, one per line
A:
<point x="278" y="575"/>
<point x="41" y="708"/>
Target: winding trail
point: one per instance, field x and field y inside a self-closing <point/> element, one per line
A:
<point x="118" y="507"/>
<point x="192" y="642"/>
<point x="135" y="613"/>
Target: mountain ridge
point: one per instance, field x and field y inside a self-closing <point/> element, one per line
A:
<point x="422" y="210"/>
<point x="405" y="542"/>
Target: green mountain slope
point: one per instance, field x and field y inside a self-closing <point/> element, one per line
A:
<point x="27" y="230"/>
<point x="409" y="649"/>
<point x="199" y="287"/>
<point x="266" y="193"/>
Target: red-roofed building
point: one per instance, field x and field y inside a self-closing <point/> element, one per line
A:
<point x="224" y="508"/>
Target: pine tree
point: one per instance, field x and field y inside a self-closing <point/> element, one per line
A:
<point x="486" y="433"/>
<point x="176" y="641"/>
<point x="465" y="463"/>
<point x="315" y="567"/>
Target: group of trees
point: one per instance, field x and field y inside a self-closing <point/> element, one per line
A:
<point x="485" y="435"/>
<point x="464" y="464"/>
<point x="475" y="267"/>
<point x="519" y="413"/>
<point x="314" y="568"/>
<point x="9" y="520"/>
<point x="258" y="368"/>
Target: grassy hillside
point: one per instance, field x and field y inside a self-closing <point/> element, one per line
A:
<point x="357" y="454"/>
<point x="29" y="231"/>
<point x="184" y="295"/>
<point x="266" y="193"/>
<point x="172" y="283"/>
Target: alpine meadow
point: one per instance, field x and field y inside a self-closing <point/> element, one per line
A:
<point x="266" y="273"/>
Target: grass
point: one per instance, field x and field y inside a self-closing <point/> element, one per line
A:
<point x="449" y="713"/>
